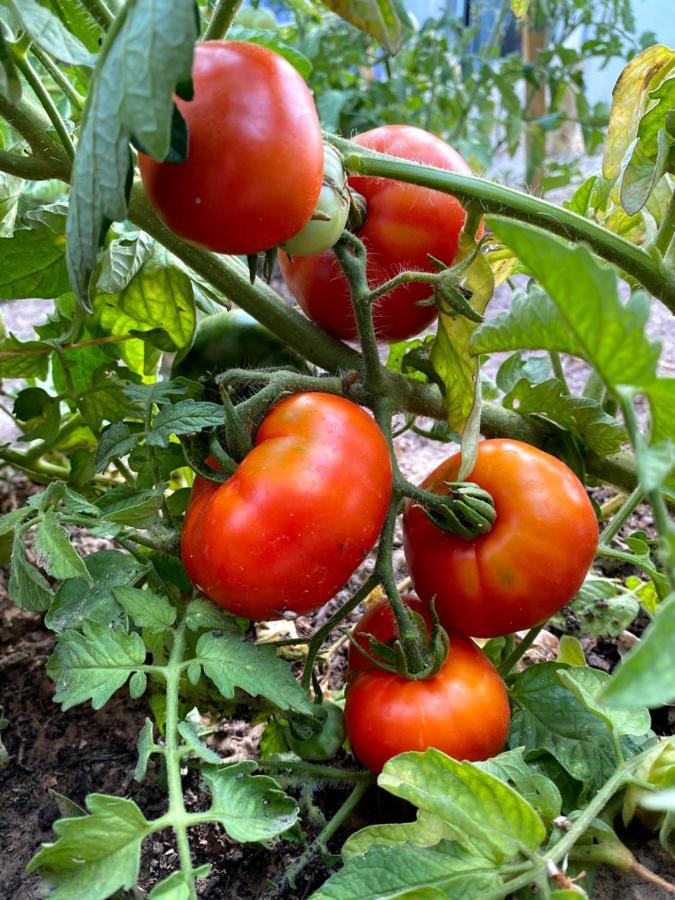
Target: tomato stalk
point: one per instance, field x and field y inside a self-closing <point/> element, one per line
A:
<point x="519" y="650"/>
<point x="222" y="19"/>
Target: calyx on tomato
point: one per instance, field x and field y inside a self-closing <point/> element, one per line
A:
<point x="318" y="738"/>
<point x="282" y="535"/>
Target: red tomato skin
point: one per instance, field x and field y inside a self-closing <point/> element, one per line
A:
<point x="379" y="621"/>
<point x="298" y="516"/>
<point x="255" y="155"/>
<point x="404" y="224"/>
<point x="462" y="711"/>
<point x="532" y="562"/>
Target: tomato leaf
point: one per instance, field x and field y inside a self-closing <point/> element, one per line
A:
<point x="11" y="189"/>
<point x="497" y="830"/>
<point x="642" y="75"/>
<point x="586" y="683"/>
<point x="646" y="676"/>
<point x="189" y="734"/>
<point x="184" y="417"/>
<point x="178" y="885"/>
<point x="424" y="873"/>
<point x="55" y="551"/>
<point x="32" y="261"/>
<point x="48" y="32"/>
<point x="378" y="18"/>
<point x="145" y="747"/>
<point x="27" y="586"/>
<point x="549" y="717"/>
<point x="582" y="314"/>
<point x="97" y="854"/>
<point x="121" y="260"/>
<point x="117" y="440"/>
<point x="427" y="830"/>
<point x="601" y="608"/>
<point x="271" y="40"/>
<point x="94" y="664"/>
<point x="249" y="807"/>
<point x="128" y="505"/>
<point x="203" y="613"/>
<point x="642" y="172"/>
<point x="78" y="602"/>
<point x="539" y="791"/>
<point x="231" y="662"/>
<point x="145" y="608"/>
<point x="118" y="109"/>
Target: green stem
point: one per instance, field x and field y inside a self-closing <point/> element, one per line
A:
<point x="666" y="228"/>
<point x="556" y="365"/>
<point x="622" y="516"/>
<point x="46" y="102"/>
<point x="57" y="75"/>
<point x="322" y="773"/>
<point x="519" y="650"/>
<point x="320" y="843"/>
<point x="173" y="754"/>
<point x="495" y="198"/>
<point x="124" y="470"/>
<point x="222" y="19"/>
<point x="99" y="12"/>
<point x="32" y="124"/>
<point x="154" y="464"/>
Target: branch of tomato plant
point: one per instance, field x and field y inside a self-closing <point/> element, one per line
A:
<point x="24" y="66"/>
<point x="48" y="156"/>
<point x="559" y="851"/>
<point x="222" y="19"/>
<point x="75" y="98"/>
<point x="519" y="650"/>
<point x="315" y="771"/>
<point x="495" y="198"/>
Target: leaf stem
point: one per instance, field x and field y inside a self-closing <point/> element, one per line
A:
<point x="519" y="650"/>
<point x="222" y="19"/>
<point x="177" y="810"/>
<point x="57" y="75"/>
<point x="99" y="12"/>
<point x="621" y="517"/>
<point x="46" y="102"/>
<point x="495" y="198"/>
<point x="322" y="773"/>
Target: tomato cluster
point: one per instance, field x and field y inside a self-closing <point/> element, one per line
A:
<point x="305" y="506"/>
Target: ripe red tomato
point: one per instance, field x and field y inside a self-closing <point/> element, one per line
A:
<point x="255" y="155"/>
<point x="463" y="710"/>
<point x="298" y="516"/>
<point x="379" y="621"/>
<point x="405" y="223"/>
<point x="532" y="562"/>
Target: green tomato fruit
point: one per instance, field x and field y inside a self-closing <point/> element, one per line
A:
<point x="322" y="744"/>
<point x="321" y="234"/>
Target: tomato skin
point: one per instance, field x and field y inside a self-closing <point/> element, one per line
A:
<point x="232" y="340"/>
<point x="255" y="156"/>
<point x="462" y="711"/>
<point x="532" y="562"/>
<point x="379" y="621"/>
<point x="404" y="224"/>
<point x="282" y="535"/>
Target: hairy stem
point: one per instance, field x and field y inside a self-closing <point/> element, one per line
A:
<point x="222" y="19"/>
<point x="46" y="102"/>
<point x="519" y="650"/>
<point x="315" y="771"/>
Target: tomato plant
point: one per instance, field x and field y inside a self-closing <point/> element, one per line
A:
<point x="253" y="170"/>
<point x="378" y="621"/>
<point x="405" y="225"/>
<point x="281" y="536"/>
<point x="463" y="710"/>
<point x="530" y="564"/>
<point x="324" y="742"/>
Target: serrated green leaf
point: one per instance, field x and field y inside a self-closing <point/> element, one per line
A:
<point x="97" y="854"/>
<point x="32" y="261"/>
<point x="147" y="609"/>
<point x="189" y="734"/>
<point x="145" y="747"/>
<point x="646" y="676"/>
<point x="55" y="553"/>
<point x="9" y="521"/>
<point x="582" y="416"/>
<point x="184" y="417"/>
<point x="49" y="33"/>
<point x="414" y="873"/>
<point x="601" y="608"/>
<point x="116" y="440"/>
<point x="93" y="664"/>
<point x="128" y="505"/>
<point x="485" y="815"/>
<point x="161" y="48"/>
<point x="27" y="588"/>
<point x="539" y="791"/>
<point x="231" y="662"/>
<point x="179" y="885"/>
<point x="426" y="831"/>
<point x="655" y="119"/>
<point x="249" y="807"/>
<point x="121" y="260"/>
<point x="581" y="315"/>
<point x="549" y="717"/>
<point x="77" y="602"/>
<point x="586" y="684"/>
<point x="378" y="18"/>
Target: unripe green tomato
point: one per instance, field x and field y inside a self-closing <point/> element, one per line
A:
<point x="233" y="340"/>
<point x="319" y="235"/>
<point x="256" y="18"/>
<point x="325" y="743"/>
